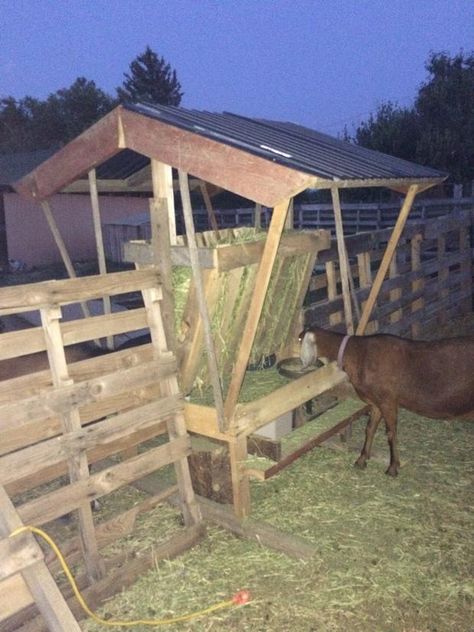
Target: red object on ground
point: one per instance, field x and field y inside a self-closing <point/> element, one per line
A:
<point x="241" y="598"/>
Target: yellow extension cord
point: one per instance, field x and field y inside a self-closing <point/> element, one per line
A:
<point x="239" y="598"/>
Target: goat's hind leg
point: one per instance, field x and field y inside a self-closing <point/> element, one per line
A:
<point x="390" y="417"/>
<point x="372" y="425"/>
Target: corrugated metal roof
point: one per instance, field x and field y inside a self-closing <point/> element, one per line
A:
<point x="122" y="165"/>
<point x="289" y="144"/>
<point x="15" y="165"/>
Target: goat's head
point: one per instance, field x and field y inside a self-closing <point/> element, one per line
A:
<point x="308" y="348"/>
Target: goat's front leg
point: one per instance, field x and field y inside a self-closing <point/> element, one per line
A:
<point x="390" y="417"/>
<point x="372" y="425"/>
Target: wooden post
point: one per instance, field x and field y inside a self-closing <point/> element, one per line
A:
<point x="257" y="222"/>
<point x="365" y="280"/>
<point x="396" y="293"/>
<point x="255" y="309"/>
<point x="99" y="242"/>
<point x="175" y="423"/>
<point x="290" y="217"/>
<point x="443" y="276"/>
<point x="343" y="260"/>
<point x="418" y="283"/>
<point x="196" y="270"/>
<point x="71" y="422"/>
<point x="162" y="183"/>
<point x="240" y="479"/>
<point x="385" y="263"/>
<point x="162" y="236"/>
<point x="336" y="317"/>
<point x="211" y="216"/>
<point x="36" y="576"/>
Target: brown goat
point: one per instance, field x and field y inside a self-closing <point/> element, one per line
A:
<point x="434" y="379"/>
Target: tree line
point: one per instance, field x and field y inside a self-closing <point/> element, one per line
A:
<point x="437" y="130"/>
<point x="28" y="124"/>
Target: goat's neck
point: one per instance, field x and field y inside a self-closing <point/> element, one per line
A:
<point x="328" y="343"/>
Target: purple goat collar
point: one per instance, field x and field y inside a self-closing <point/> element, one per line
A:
<point x="340" y="353"/>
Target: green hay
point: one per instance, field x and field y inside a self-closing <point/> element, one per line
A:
<point x="256" y="384"/>
<point x="227" y="319"/>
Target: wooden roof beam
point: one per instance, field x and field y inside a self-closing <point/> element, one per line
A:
<point x="91" y="148"/>
<point x="232" y="169"/>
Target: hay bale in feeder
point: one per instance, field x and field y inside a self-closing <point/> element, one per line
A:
<point x="229" y="266"/>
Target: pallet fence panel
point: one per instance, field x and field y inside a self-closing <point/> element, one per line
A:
<point x="363" y="217"/>
<point x="430" y="279"/>
<point x="68" y="430"/>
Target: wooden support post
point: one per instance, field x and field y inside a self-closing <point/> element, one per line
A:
<point x="365" y="280"/>
<point x="257" y="221"/>
<point x="336" y="317"/>
<point x="71" y="422"/>
<point x="211" y="216"/>
<point x="290" y="216"/>
<point x="343" y="260"/>
<point x="385" y="263"/>
<point x="418" y="283"/>
<point x="194" y="258"/>
<point x="99" y="242"/>
<point x="36" y="575"/>
<point x="443" y="275"/>
<point x="162" y="183"/>
<point x="255" y="309"/>
<point x="163" y="235"/>
<point x="175" y="423"/>
<point x="396" y="293"/>
<point x="240" y="479"/>
<point x="466" y="267"/>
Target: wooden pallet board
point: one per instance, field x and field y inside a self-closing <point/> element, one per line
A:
<point x="58" y="421"/>
<point x="304" y="439"/>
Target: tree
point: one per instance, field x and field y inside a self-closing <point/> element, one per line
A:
<point x="30" y="123"/>
<point x="393" y="130"/>
<point x="152" y="80"/>
<point x="438" y="130"/>
<point x="445" y="105"/>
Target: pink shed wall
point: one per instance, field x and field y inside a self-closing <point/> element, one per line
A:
<point x="30" y="240"/>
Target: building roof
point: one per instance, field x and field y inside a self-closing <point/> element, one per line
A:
<point x="15" y="165"/>
<point x="265" y="161"/>
<point x="289" y="144"/>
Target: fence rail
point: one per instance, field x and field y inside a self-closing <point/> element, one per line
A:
<point x="356" y="217"/>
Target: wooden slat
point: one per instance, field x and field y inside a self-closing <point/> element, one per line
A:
<point x="176" y="426"/>
<point x="249" y="417"/>
<point x="391" y="246"/>
<point x="95" y="455"/>
<point x="26" y="462"/>
<point x="92" y="147"/>
<point x="36" y="576"/>
<point x="261" y="285"/>
<point x="77" y="464"/>
<point x="68" y="498"/>
<point x="76" y="395"/>
<point x="201" y="300"/>
<point x="21" y="298"/>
